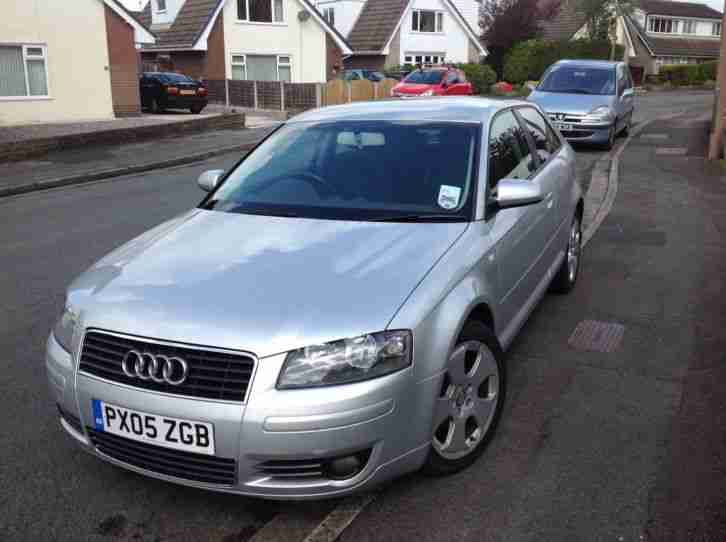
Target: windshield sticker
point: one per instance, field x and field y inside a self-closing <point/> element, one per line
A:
<point x="449" y="196"/>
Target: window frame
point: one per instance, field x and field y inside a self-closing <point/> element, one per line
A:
<point x="716" y="29"/>
<point x="658" y="22"/>
<point x="27" y="96"/>
<point x="247" y="20"/>
<point x="438" y="18"/>
<point x="552" y="132"/>
<point x="159" y="9"/>
<point x="329" y="15"/>
<point x="277" y="57"/>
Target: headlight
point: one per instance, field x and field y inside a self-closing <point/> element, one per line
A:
<point x="66" y="326"/>
<point x="602" y="112"/>
<point x="347" y="360"/>
<point x="429" y="92"/>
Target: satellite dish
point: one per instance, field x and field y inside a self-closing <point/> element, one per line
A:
<point x="303" y="15"/>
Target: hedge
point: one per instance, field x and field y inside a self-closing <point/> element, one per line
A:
<point x="528" y="60"/>
<point x="480" y="76"/>
<point x="688" y="74"/>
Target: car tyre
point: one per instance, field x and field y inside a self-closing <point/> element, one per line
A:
<point x="566" y="276"/>
<point x="608" y="145"/>
<point x="469" y="402"/>
<point x="196" y="109"/>
<point x="156" y="108"/>
<point x="626" y="129"/>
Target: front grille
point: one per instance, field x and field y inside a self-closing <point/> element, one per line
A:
<point x="567" y="118"/>
<point x="572" y="134"/>
<point x="70" y="419"/>
<point x="212" y="374"/>
<point x="186" y="465"/>
<point x="292" y="468"/>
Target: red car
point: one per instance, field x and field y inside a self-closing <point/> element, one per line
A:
<point x="433" y="82"/>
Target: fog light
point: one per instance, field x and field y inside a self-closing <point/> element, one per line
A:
<point x="342" y="468"/>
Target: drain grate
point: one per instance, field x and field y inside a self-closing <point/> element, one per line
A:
<point x="597" y="336"/>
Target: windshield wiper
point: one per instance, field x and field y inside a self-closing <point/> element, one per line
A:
<point x="431" y="217"/>
<point x="573" y="91"/>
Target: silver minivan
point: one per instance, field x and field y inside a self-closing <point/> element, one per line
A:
<point x="334" y="313"/>
<point x="590" y="101"/>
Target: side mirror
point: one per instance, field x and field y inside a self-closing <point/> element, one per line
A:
<point x="628" y="92"/>
<point x="517" y="193"/>
<point x="531" y="86"/>
<point x="208" y="180"/>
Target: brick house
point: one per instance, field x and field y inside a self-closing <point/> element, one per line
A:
<point x="48" y="74"/>
<point x="273" y="40"/>
<point x="657" y="32"/>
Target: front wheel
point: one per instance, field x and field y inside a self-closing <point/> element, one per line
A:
<point x="469" y="402"/>
<point x="611" y="138"/>
<point x="566" y="277"/>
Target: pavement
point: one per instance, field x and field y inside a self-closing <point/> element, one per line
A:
<point x="626" y="445"/>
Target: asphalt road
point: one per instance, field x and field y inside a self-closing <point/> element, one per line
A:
<point x="52" y="491"/>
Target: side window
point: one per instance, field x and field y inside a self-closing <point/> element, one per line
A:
<point x="451" y="78"/>
<point x="622" y="80"/>
<point x="545" y="139"/>
<point x="509" y="153"/>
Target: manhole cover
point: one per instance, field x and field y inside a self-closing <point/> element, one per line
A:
<point x="673" y="151"/>
<point x="597" y="336"/>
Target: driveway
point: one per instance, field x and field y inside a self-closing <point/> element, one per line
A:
<point x="581" y="445"/>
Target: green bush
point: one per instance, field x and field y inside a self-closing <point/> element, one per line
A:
<point x="529" y="59"/>
<point x="398" y="72"/>
<point x="680" y="75"/>
<point x="708" y="70"/>
<point x="480" y="76"/>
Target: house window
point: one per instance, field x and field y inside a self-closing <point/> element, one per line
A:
<point x="716" y="29"/>
<point x="262" y="67"/>
<point x="427" y="21"/>
<point x="260" y="11"/>
<point x="329" y="15"/>
<point x="23" y="71"/>
<point x="664" y="26"/>
<point x="689" y="27"/>
<point x="160" y="5"/>
<point x="426" y="58"/>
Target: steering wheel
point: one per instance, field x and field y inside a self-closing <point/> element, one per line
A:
<point x="313" y="179"/>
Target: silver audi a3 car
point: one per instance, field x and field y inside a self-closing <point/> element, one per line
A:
<point x="334" y="313"/>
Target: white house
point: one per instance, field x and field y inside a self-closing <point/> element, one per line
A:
<point x="262" y="40"/>
<point x="49" y="74"/>
<point x="386" y="33"/>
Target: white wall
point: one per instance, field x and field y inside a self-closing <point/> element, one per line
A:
<point x="167" y="17"/>
<point x="346" y="13"/>
<point x="79" y="83"/>
<point x="470" y="10"/>
<point x="453" y="41"/>
<point x="304" y="42"/>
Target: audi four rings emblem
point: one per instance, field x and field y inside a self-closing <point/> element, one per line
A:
<point x="155" y="367"/>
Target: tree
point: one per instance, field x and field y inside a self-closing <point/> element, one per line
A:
<point x="601" y="18"/>
<point x="505" y="23"/>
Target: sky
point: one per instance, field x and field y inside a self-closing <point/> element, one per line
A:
<point x="138" y="4"/>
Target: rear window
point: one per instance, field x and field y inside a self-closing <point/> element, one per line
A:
<point x="425" y="77"/>
<point x="175" y="78"/>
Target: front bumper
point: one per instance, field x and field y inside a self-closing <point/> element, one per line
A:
<point x="583" y="133"/>
<point x="185" y="102"/>
<point x="274" y="432"/>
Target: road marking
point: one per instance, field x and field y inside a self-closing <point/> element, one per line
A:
<point x="674" y="151"/>
<point x="339" y="518"/>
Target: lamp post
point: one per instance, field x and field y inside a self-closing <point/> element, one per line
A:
<point x="716" y="142"/>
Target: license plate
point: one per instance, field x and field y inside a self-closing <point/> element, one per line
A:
<point x="188" y="92"/>
<point x="175" y="433"/>
<point x="562" y="127"/>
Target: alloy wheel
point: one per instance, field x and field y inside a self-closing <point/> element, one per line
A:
<point x="574" y="246"/>
<point x="467" y="403"/>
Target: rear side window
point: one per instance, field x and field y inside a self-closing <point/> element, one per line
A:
<point x="509" y="153"/>
<point x="546" y="141"/>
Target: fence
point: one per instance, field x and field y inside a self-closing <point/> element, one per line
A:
<point x="281" y="96"/>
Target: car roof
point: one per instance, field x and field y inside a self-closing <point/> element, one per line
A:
<point x="590" y="63"/>
<point x="446" y="109"/>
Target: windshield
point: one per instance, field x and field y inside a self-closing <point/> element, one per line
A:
<point x="357" y="170"/>
<point x="578" y="80"/>
<point x="424" y="78"/>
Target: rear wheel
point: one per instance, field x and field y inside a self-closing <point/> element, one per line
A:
<point x="566" y="277"/>
<point x="156" y="107"/>
<point x="469" y="403"/>
<point x="196" y="109"/>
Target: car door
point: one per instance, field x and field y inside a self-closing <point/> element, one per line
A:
<point x="624" y="100"/>
<point x="553" y="175"/>
<point x="521" y="234"/>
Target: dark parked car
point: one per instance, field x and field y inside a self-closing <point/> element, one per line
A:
<point x="160" y="91"/>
